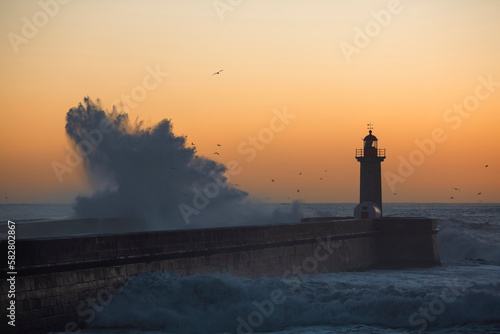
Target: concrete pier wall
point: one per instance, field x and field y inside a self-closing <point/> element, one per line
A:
<point x="407" y="242"/>
<point x="58" y="278"/>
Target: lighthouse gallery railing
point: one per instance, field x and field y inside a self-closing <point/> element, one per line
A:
<point x="360" y="152"/>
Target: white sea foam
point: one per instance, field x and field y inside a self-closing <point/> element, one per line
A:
<point x="382" y="299"/>
<point x="472" y="241"/>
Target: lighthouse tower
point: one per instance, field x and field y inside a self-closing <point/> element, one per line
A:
<point x="370" y="186"/>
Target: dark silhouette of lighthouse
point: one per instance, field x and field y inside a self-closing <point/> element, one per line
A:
<point x="370" y="157"/>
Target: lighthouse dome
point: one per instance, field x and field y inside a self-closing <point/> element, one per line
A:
<point x="370" y="137"/>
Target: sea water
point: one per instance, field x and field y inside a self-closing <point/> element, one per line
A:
<point x="461" y="296"/>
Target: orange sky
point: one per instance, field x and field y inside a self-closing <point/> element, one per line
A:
<point x="420" y="59"/>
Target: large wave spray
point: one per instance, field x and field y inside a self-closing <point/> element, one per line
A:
<point x="149" y="173"/>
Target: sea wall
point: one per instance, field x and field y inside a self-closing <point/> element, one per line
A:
<point x="409" y="242"/>
<point x="61" y="282"/>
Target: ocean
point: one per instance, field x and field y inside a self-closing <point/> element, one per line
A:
<point x="461" y="296"/>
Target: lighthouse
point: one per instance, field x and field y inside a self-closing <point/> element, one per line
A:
<point x="370" y="183"/>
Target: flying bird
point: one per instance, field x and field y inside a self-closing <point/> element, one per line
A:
<point x="395" y="194"/>
<point x="216" y="153"/>
<point x="272" y="180"/>
<point x="192" y="143"/>
<point x="298" y="190"/>
<point x="219" y="145"/>
<point x="479" y="193"/>
<point x="300" y="173"/>
<point x="485" y="166"/>
<point x="218" y="72"/>
<point x="455" y="188"/>
<point x="321" y="178"/>
<point x="452" y="197"/>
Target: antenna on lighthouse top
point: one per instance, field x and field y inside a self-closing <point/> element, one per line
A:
<point x="370" y="127"/>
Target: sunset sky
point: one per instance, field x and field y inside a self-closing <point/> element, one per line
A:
<point x="406" y="66"/>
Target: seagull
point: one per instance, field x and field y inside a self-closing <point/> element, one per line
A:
<point x="218" y="72"/>
<point x="219" y="145"/>
<point x="300" y="173"/>
<point x="455" y="188"/>
<point x="452" y="197"/>
<point x="192" y="143"/>
<point x="479" y="193"/>
<point x="395" y="194"/>
<point x="272" y="180"/>
<point x="485" y="166"/>
<point x="325" y="170"/>
<point x="321" y="178"/>
<point x="298" y="190"/>
<point x="196" y="156"/>
<point x="216" y="153"/>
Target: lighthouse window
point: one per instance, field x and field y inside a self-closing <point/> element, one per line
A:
<point x="368" y="144"/>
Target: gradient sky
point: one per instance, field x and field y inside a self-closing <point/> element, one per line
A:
<point x="427" y="57"/>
